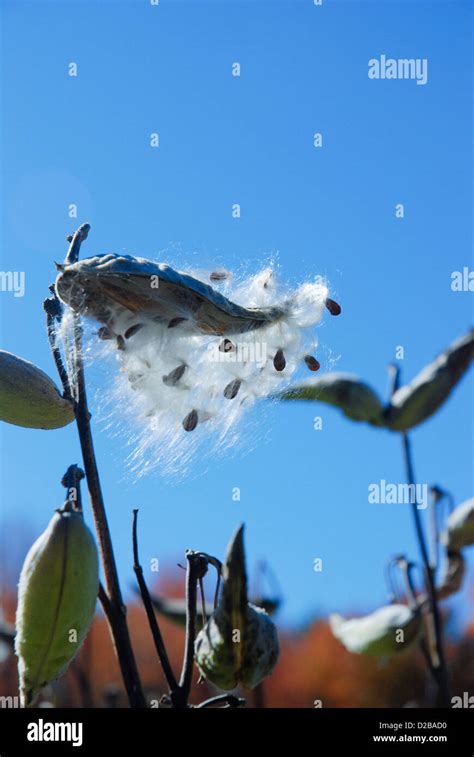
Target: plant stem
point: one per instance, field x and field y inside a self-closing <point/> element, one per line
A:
<point x="53" y="310"/>
<point x="230" y="700"/>
<point x="111" y="596"/>
<point x="152" y="620"/>
<point x="440" y="664"/>
<point x="196" y="569"/>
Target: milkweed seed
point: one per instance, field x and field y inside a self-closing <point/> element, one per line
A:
<point x="120" y="342"/>
<point x="219" y="276"/>
<point x="191" y="421"/>
<point x="232" y="389"/>
<point x="174" y="376"/>
<point x="312" y="363"/>
<point x="133" y="330"/>
<point x="226" y="346"/>
<point x="333" y="307"/>
<point x="105" y="333"/>
<point x="175" y="322"/>
<point x="279" y="361"/>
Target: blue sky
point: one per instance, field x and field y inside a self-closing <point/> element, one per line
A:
<point x="328" y="210"/>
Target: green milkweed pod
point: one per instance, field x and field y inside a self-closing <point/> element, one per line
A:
<point x="351" y="395"/>
<point x="57" y="595"/>
<point x="239" y="643"/>
<point x="28" y="397"/>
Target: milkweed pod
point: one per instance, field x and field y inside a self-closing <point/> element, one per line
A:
<point x="97" y="286"/>
<point x="355" y="398"/>
<point x="383" y="633"/>
<point x="57" y="595"/>
<point x="239" y="643"/>
<point x="452" y="576"/>
<point x="460" y="526"/>
<point x="28" y="397"/>
<point x="412" y="404"/>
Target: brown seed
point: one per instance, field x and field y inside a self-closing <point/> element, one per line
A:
<point x="174" y="376"/>
<point x="219" y="276"/>
<point x="191" y="421"/>
<point x="175" y="322"/>
<point x="226" y="346"/>
<point x="105" y="333"/>
<point x="279" y="361"/>
<point x="333" y="307"/>
<point x="133" y="330"/>
<point x="312" y="363"/>
<point x="120" y="342"/>
<point x="232" y="389"/>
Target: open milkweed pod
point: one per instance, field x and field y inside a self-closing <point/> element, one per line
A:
<point x="459" y="531"/>
<point x="239" y="643"/>
<point x="351" y="395"/>
<point x="383" y="633"/>
<point x="28" y="397"/>
<point x="102" y="286"/>
<point x="414" y="403"/>
<point x="189" y="357"/>
<point x="57" y="595"/>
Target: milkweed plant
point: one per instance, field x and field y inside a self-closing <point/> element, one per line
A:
<point x="192" y="357"/>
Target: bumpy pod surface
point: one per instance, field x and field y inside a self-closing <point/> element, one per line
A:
<point x="239" y="643"/>
<point x="57" y="595"/>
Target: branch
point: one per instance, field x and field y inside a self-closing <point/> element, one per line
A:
<point x="152" y="620"/>
<point x="53" y="310"/>
<point x="197" y="568"/>
<point x="440" y="664"/>
<point x="228" y="699"/>
<point x="111" y="596"/>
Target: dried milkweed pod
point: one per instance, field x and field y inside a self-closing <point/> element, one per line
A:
<point x="412" y="404"/>
<point x="28" y="397"/>
<point x="351" y="395"/>
<point x="452" y="576"/>
<point x="459" y="531"/>
<point x="239" y="349"/>
<point x="239" y="643"/>
<point x="385" y="632"/>
<point x="98" y="286"/>
<point x="57" y="595"/>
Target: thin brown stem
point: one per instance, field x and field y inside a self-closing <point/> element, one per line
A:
<point x="196" y="569"/>
<point x="53" y="310"/>
<point x="152" y="619"/>
<point x="111" y="596"/>
<point x="228" y="700"/>
<point x="439" y="665"/>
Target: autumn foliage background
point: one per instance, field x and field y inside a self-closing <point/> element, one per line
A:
<point x="314" y="669"/>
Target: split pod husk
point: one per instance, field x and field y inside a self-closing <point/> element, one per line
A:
<point x="239" y="643"/>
